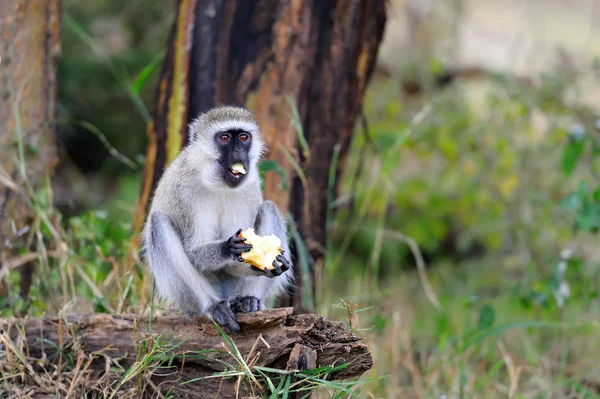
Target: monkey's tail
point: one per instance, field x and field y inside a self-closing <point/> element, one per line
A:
<point x="175" y="277"/>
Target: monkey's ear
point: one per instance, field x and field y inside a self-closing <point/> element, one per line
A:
<point x="192" y="136"/>
<point x="192" y="132"/>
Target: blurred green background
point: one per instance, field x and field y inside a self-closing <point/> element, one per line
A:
<point x="481" y="148"/>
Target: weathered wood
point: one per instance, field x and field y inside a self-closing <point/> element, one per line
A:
<point x="320" y="54"/>
<point x="273" y="338"/>
<point x="29" y="50"/>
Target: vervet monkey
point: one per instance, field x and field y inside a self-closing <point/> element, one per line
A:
<point x="201" y="204"/>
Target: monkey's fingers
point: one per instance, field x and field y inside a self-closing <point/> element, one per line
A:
<point x="285" y="264"/>
<point x="238" y="249"/>
<point x="268" y="273"/>
<point x="222" y="313"/>
<point x="278" y="270"/>
<point x="237" y="239"/>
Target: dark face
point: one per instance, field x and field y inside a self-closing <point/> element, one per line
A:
<point x="234" y="146"/>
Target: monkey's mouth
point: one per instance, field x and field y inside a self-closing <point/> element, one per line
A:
<point x="237" y="170"/>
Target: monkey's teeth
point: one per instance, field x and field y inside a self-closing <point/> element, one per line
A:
<point x="238" y="168"/>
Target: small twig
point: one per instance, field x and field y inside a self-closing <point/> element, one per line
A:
<point x="19" y="261"/>
<point x="365" y="129"/>
<point x="253" y="348"/>
<point x="513" y="372"/>
<point x="75" y="374"/>
<point x="8" y="182"/>
<point x="98" y="133"/>
<point x="414" y="247"/>
<point x="264" y="342"/>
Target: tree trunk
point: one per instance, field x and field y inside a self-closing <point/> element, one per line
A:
<point x="259" y="54"/>
<point x="29" y="49"/>
<point x="92" y="352"/>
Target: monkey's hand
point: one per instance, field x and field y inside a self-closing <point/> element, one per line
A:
<point x="237" y="246"/>
<point x="277" y="268"/>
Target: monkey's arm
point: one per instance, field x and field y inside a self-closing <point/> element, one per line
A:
<point x="216" y="255"/>
<point x="270" y="221"/>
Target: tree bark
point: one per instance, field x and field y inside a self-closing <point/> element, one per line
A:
<point x="29" y="49"/>
<point x="273" y="338"/>
<point x="259" y="54"/>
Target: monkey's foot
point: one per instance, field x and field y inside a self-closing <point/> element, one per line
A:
<point x="247" y="304"/>
<point x="223" y="315"/>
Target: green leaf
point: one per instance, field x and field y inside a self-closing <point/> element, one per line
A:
<point x="588" y="218"/>
<point x="486" y="317"/>
<point x="571" y="202"/>
<point x="305" y="260"/>
<point x="269" y="165"/>
<point x="571" y="155"/>
<point x="292" y="160"/>
<point x="298" y="126"/>
<point x="145" y="73"/>
<point x="286" y="388"/>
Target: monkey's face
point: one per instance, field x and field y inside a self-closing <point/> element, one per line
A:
<point x="224" y="148"/>
<point x="234" y="147"/>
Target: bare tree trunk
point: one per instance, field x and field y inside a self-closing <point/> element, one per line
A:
<point x="29" y="48"/>
<point x="185" y="350"/>
<point x="319" y="54"/>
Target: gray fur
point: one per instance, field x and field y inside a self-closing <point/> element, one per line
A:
<point x="194" y="214"/>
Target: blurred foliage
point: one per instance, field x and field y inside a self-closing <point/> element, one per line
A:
<point x="481" y="174"/>
<point x="107" y="75"/>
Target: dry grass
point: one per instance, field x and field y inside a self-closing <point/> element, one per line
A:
<point x="22" y="376"/>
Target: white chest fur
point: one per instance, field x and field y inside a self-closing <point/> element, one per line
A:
<point x="220" y="216"/>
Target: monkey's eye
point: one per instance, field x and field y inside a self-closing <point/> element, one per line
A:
<point x="243" y="137"/>
<point x="224" y="137"/>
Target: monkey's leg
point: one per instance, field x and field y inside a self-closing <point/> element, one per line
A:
<point x="178" y="281"/>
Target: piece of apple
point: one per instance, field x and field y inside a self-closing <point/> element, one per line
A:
<point x="238" y="168"/>
<point x="264" y="249"/>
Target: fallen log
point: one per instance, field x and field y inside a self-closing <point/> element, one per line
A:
<point x="141" y="357"/>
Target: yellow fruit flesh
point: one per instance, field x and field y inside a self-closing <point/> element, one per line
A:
<point x="264" y="249"/>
